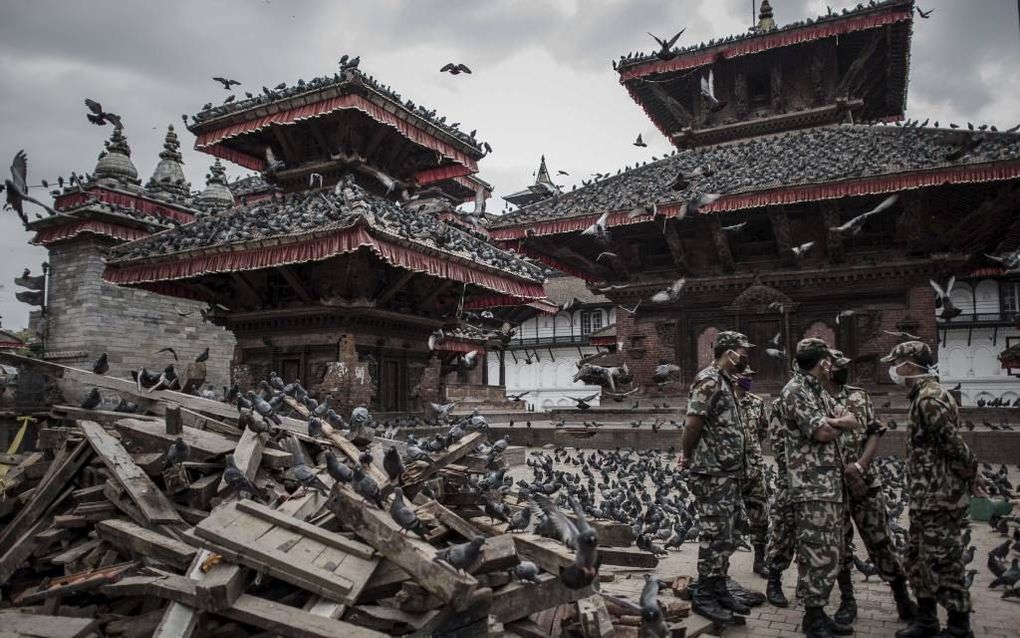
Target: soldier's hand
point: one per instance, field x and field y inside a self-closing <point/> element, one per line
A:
<point x="979" y="487"/>
<point x="681" y="462"/>
<point x="855" y="481"/>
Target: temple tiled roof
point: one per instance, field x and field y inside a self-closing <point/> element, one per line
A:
<point x="564" y="289"/>
<point x="316" y="213"/>
<point x="630" y="60"/>
<point x="348" y="76"/>
<point x="848" y="159"/>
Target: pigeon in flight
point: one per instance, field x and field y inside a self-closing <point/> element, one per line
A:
<point x="17" y="188"/>
<point x="854" y="226"/>
<point x="99" y="117"/>
<point x="671" y="294"/>
<point x="227" y="82"/>
<point x="708" y="91"/>
<point x="578" y="535"/>
<point x="943" y="303"/>
<point x="653" y="620"/>
<point x="800" y="251"/>
<point x="640" y="142"/>
<point x="599" y="229"/>
<point x="583" y="403"/>
<point x="666" y="52"/>
<point x="454" y="68"/>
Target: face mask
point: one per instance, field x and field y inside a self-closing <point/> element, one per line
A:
<point x="896" y="377"/>
<point x="900" y="379"/>
<point x="745" y="383"/>
<point x="740" y="364"/>
<point x="826" y="367"/>
<point x="841" y="376"/>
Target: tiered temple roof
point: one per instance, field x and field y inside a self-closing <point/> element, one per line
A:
<point x="799" y="166"/>
<point x="543" y="188"/>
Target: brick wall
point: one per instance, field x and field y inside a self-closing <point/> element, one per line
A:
<point x="88" y="316"/>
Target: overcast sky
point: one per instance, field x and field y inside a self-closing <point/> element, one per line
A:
<point x="542" y="81"/>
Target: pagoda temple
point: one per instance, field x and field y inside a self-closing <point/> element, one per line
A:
<point x="543" y="188"/>
<point x="782" y="137"/>
<point x="85" y="316"/>
<point x="341" y="271"/>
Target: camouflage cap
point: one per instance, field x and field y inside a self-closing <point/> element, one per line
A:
<point x="813" y="345"/>
<point x="732" y="339"/>
<point x="840" y="360"/>
<point x="913" y="350"/>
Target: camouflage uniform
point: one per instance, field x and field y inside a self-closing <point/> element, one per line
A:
<point x="816" y="483"/>
<point x="782" y="535"/>
<point x="753" y="490"/>
<point x="716" y="467"/>
<point x="940" y="471"/>
<point x="869" y="513"/>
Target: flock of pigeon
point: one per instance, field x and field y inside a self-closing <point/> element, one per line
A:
<point x="322" y="209"/>
<point x="349" y="71"/>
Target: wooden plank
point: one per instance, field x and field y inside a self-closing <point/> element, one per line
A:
<point x="42" y="626"/>
<point x="377" y="528"/>
<point x="595" y="620"/>
<point x="446" y="516"/>
<point x="452" y="454"/>
<point x="73" y="583"/>
<point x="198" y="421"/>
<point x="307" y="530"/>
<point x="144" y="543"/>
<point x="263" y="545"/>
<point x="499" y="553"/>
<point x="151" y="436"/>
<point x="202" y="490"/>
<point x="247" y="456"/>
<point x="266" y="614"/>
<point x="15" y="537"/>
<point x="520" y="600"/>
<point x="174" y="425"/>
<point x="149" y="499"/>
<point x="221" y="586"/>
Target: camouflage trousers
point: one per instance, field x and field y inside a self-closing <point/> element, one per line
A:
<point x="756" y="504"/>
<point x="719" y="506"/>
<point x="782" y="534"/>
<point x="819" y="549"/>
<point x="871" y="517"/>
<point x="934" y="559"/>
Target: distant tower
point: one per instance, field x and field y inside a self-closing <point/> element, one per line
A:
<point x="217" y="195"/>
<point x="836" y="68"/>
<point x="167" y="181"/>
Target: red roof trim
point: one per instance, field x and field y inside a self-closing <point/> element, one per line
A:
<point x="317" y="249"/>
<point x="794" y="194"/>
<point x="105" y="195"/>
<point x="455" y="345"/>
<point x="54" y="234"/>
<point x="765" y="42"/>
<point x="212" y="139"/>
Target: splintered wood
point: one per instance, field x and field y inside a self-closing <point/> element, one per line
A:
<point x="101" y="527"/>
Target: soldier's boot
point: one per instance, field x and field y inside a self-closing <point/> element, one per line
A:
<point x="704" y="601"/>
<point x="957" y="626"/>
<point x="726" y="599"/>
<point x="774" y="589"/>
<point x="925" y="624"/>
<point x="905" y="606"/>
<point x="759" y="560"/>
<point x="815" y="623"/>
<point x="847" y="612"/>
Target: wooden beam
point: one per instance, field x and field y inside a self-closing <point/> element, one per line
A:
<point x="295" y="282"/>
<point x="203" y="445"/>
<point x="676" y="247"/>
<point x="144" y="543"/>
<point x="834" y="247"/>
<point x="374" y="142"/>
<point x="247" y="456"/>
<point x="722" y="243"/>
<point x="288" y="149"/>
<point x="415" y="556"/>
<point x="395" y="286"/>
<point x="781" y="231"/>
<point x="149" y="499"/>
<point x="853" y="72"/>
<point x="174" y="425"/>
<point x="682" y="116"/>
<point x="15" y="623"/>
<point x="260" y="612"/>
<point x="439" y="289"/>
<point x="520" y="600"/>
<point x="452" y="454"/>
<point x="319" y="137"/>
<point x="247" y="289"/>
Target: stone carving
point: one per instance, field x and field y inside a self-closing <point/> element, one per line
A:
<point x="761" y="298"/>
<point x="667" y="333"/>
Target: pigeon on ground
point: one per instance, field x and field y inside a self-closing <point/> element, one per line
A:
<point x="653" y="620"/>
<point x="392" y="464"/>
<point x="177" y="453"/>
<point x="404" y="515"/>
<point x="366" y="487"/>
<point x="102" y="365"/>
<point x="92" y="401"/>
<point x="462" y="557"/>
<point x="340" y="472"/>
<point x="526" y="571"/>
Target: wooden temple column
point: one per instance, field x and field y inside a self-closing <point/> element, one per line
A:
<point x="909" y="226"/>
<point x="781" y="231"/>
<point x="722" y="245"/>
<point x="833" y="239"/>
<point x="740" y="88"/>
<point x="776" y="84"/>
<point x="676" y="247"/>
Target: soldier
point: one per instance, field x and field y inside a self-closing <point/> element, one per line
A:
<point x="713" y="447"/>
<point x="942" y="473"/>
<point x="753" y="491"/>
<point x="781" y="545"/>
<point x="815" y="470"/>
<point x="865" y="503"/>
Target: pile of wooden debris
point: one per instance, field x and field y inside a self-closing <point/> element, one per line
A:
<point x="105" y="534"/>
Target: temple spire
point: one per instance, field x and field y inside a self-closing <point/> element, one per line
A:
<point x="543" y="174"/>
<point x="765" y="20"/>
<point x="167" y="181"/>
<point x="216" y="196"/>
<point x="114" y="167"/>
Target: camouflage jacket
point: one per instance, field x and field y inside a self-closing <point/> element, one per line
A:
<point x="815" y="469"/>
<point x="851" y="442"/>
<point x="940" y="466"/>
<point x="777" y="436"/>
<point x="721" y="449"/>
<point x="753" y="411"/>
